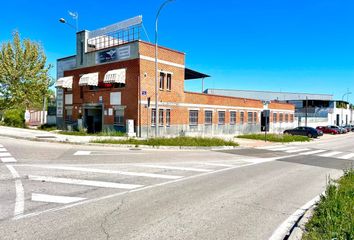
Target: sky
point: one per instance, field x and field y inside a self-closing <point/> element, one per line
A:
<point x="274" y="45"/>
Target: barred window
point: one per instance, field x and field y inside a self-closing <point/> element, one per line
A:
<point x="161" y="117"/>
<point x="193" y="117"/>
<point x="168" y="117"/>
<point x="232" y="118"/>
<point x="153" y="117"/>
<point x="221" y="117"/>
<point x="281" y="117"/>
<point x="286" y="118"/>
<point x="208" y="117"/>
<point x="119" y="117"/>
<point x="291" y="117"/>
<point x="249" y="117"/>
<point x="242" y="117"/>
<point x="255" y="117"/>
<point x="274" y="117"/>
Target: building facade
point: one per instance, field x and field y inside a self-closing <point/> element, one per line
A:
<point x="310" y="109"/>
<point x="111" y="79"/>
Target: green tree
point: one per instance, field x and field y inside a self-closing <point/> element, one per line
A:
<point x="24" y="74"/>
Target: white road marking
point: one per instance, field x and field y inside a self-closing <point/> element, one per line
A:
<point x="36" y="197"/>
<point x="83" y="182"/>
<point x="330" y="154"/>
<point x="347" y="156"/>
<point x="1" y="145"/>
<point x="93" y="170"/>
<point x="82" y="153"/>
<point x="270" y="147"/>
<point x="3" y="149"/>
<point x="312" y="152"/>
<point x="285" y="227"/>
<point x="8" y="160"/>
<point x="5" y="154"/>
<point x="217" y="164"/>
<point x="20" y="196"/>
<point x="282" y="149"/>
<point x="298" y="150"/>
<point x="138" y="190"/>
<point x="174" y="168"/>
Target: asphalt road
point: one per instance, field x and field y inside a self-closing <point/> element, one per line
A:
<point x="62" y="191"/>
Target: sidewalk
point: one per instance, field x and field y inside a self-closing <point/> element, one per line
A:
<point x="44" y="136"/>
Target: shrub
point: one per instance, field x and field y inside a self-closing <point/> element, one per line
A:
<point x="14" y="118"/>
<point x="276" y="137"/>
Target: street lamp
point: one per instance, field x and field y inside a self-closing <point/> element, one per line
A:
<point x="156" y="69"/>
<point x="75" y="16"/>
<point x="345" y="94"/>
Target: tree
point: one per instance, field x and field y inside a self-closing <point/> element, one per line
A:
<point x="24" y="74"/>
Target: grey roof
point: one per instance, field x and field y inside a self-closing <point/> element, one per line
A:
<point x="268" y="95"/>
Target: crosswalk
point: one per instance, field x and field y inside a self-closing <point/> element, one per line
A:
<point x="310" y="151"/>
<point x="49" y="187"/>
<point x="5" y="156"/>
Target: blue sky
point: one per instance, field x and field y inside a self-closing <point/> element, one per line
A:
<point x="277" y="45"/>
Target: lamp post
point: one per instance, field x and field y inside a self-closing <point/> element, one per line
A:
<point x="75" y="16"/>
<point x="345" y="94"/>
<point x="156" y="69"/>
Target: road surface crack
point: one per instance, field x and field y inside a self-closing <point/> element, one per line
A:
<point x="115" y="212"/>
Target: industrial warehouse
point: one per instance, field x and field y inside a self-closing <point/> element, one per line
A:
<point x="110" y="84"/>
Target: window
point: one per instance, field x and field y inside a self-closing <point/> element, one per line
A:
<point x="280" y="117"/>
<point x="286" y="118"/>
<point x="208" y="117"/>
<point x="68" y="114"/>
<point x="162" y="81"/>
<point x="168" y="82"/>
<point x="193" y="117"/>
<point x="254" y="117"/>
<point x="119" y="117"/>
<point x="168" y="117"/>
<point x="242" y="117"/>
<point x="81" y="92"/>
<point x="161" y="117"/>
<point x="291" y="118"/>
<point x="232" y="118"/>
<point x="153" y="117"/>
<point x="274" y="117"/>
<point x="221" y="117"/>
<point x="249" y="117"/>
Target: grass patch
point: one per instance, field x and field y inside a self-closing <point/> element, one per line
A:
<point x="47" y="127"/>
<point x="178" y="141"/>
<point x="106" y="133"/>
<point x="334" y="216"/>
<point x="276" y="137"/>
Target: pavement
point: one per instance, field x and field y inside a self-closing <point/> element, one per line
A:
<point x="50" y="190"/>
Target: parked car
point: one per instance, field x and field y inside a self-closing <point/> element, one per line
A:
<point x="339" y="129"/>
<point x="304" y="131"/>
<point x="326" y="129"/>
<point x="350" y="128"/>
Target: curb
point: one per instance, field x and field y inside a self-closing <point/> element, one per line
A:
<point x="129" y="146"/>
<point x="299" y="229"/>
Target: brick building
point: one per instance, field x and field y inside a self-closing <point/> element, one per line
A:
<point x="112" y="79"/>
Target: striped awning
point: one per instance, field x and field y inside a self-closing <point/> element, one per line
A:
<point x="115" y="76"/>
<point x="64" y="82"/>
<point x="90" y="79"/>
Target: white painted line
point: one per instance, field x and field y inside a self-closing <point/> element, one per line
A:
<point x="5" y="154"/>
<point x="1" y="145"/>
<point x="3" y="149"/>
<point x="83" y="182"/>
<point x="20" y="195"/>
<point x="174" y="168"/>
<point x="285" y="227"/>
<point x="347" y="156"/>
<point x="298" y="150"/>
<point x="312" y="152"/>
<point x="36" y="197"/>
<point x="82" y="153"/>
<point x="8" y="160"/>
<point x="330" y="154"/>
<point x="218" y="164"/>
<point x="283" y="149"/>
<point x="105" y="171"/>
<point x="139" y="189"/>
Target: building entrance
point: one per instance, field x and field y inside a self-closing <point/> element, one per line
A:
<point x="93" y="118"/>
